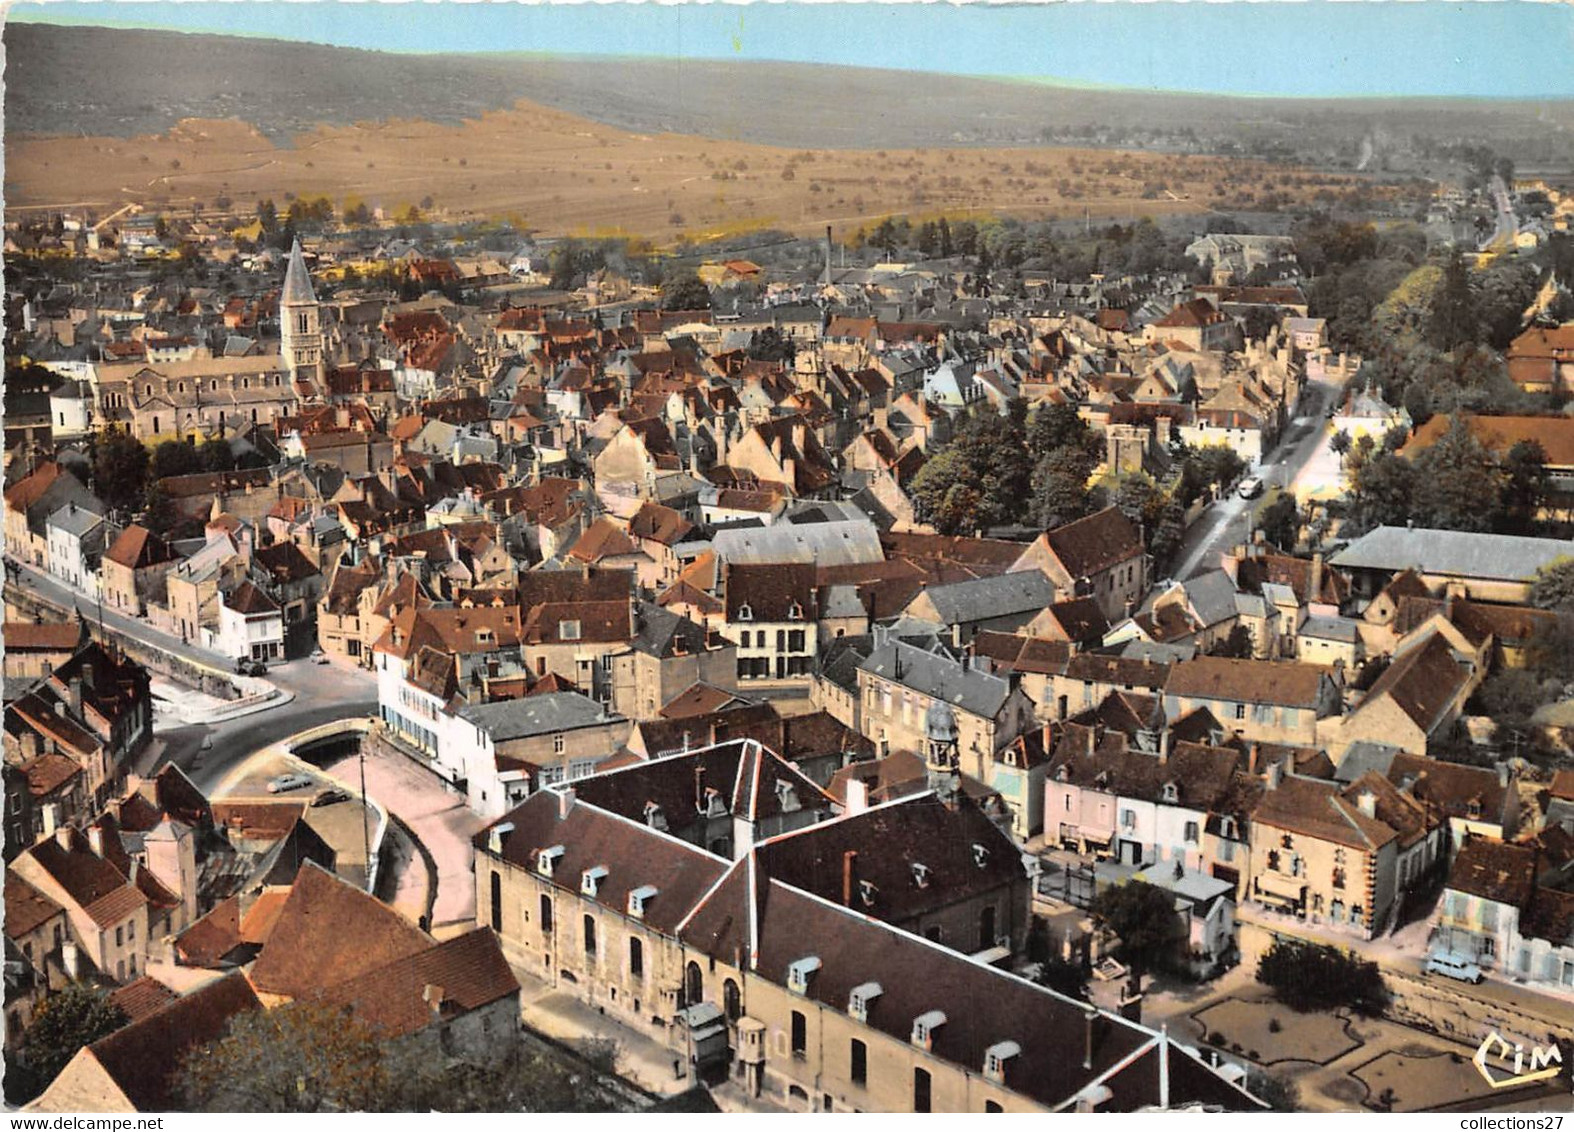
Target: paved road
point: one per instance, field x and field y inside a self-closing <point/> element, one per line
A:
<point x="322" y="693"/>
<point x="1225" y="523"/>
<point x="1507" y="224"/>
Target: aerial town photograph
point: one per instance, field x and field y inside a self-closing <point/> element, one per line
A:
<point x="764" y="558"/>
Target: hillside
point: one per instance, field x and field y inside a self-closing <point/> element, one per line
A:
<point x="97" y="117"/>
<point x="121" y="83"/>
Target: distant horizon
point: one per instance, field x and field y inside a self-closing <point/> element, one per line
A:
<point x="1505" y="50"/>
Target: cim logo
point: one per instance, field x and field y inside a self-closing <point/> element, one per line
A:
<point x="1546" y="1062"/>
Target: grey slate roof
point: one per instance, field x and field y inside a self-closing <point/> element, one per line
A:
<point x="824" y="544"/>
<point x="939" y="676"/>
<point x="534" y="715"/>
<point x="1364" y="756"/>
<point x="297" y="280"/>
<point x="76" y="521"/>
<point x="1212" y="596"/>
<point x="1464" y="554"/>
<point x="979" y="599"/>
<point x="1330" y="629"/>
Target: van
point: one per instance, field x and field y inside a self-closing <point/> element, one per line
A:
<point x="1454" y="967"/>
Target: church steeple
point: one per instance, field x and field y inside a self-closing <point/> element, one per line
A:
<point x="300" y="322"/>
<point x="942" y="753"/>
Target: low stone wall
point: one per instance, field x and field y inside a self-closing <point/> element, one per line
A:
<point x="215" y="683"/>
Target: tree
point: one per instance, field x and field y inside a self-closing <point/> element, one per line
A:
<point x="1309" y="976"/>
<point x="120" y="469"/>
<point x="1340" y="443"/>
<point x="158" y="513"/>
<point x="771" y="345"/>
<point x="73" y="1017"/>
<point x="1280" y="521"/>
<point x="268" y="214"/>
<point x="1381" y="494"/>
<point x="1063" y="977"/>
<point x="1060" y="491"/>
<point x="1280" y="1094"/>
<point x="1259" y="322"/>
<point x="299" y="1057"/>
<point x="1553" y="587"/>
<point x="175" y="458"/>
<point x="1053" y="427"/>
<point x="216" y="456"/>
<point x="1526" y="488"/>
<point x="1238" y="645"/>
<point x="1453" y="320"/>
<point x="685" y="292"/>
<point x="1144" y="917"/>
<point x="1458" y="484"/>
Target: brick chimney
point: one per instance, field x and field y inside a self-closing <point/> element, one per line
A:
<point x="849" y="876"/>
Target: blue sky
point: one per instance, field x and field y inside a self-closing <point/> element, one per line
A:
<point x="1323" y="48"/>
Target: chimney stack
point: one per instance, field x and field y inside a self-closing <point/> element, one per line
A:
<point x="565" y="803"/>
<point x="95" y="839"/>
<point x="432" y="995"/>
<point x="63" y="837"/>
<point x="1090" y="1020"/>
<point x="1273" y="774"/>
<point x="74" y="695"/>
<point x="849" y="876"/>
<point x="1366" y="802"/>
<point x="1315" y="588"/>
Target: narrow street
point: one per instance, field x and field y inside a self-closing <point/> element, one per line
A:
<point x="1225" y="523"/>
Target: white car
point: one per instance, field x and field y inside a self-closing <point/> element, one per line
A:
<point x="284" y="783"/>
<point x="1251" y="487"/>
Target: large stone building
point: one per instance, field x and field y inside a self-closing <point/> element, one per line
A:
<point x="782" y="965"/>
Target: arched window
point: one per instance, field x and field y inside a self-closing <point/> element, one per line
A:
<point x="986" y="928"/>
<point x="497" y="903"/>
<point x="731" y="1000"/>
<point x="546" y="914"/>
<point x="693" y="984"/>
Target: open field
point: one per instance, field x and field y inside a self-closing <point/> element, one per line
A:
<point x="564" y="174"/>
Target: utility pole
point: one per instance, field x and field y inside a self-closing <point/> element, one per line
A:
<point x="366" y="833"/>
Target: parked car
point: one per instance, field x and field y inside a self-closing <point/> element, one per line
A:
<point x="1251" y="487"/>
<point x="329" y="797"/>
<point x="1453" y="966"/>
<point x="247" y="667"/>
<point x="284" y="783"/>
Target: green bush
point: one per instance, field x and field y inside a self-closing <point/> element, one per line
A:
<point x="1308" y="976"/>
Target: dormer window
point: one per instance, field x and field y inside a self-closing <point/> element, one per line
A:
<point x="1227" y="828"/>
<point x="1063" y="773"/>
<point x="715" y="804"/>
<point x="920" y="874"/>
<point x="639" y="899"/>
<point x="866" y="892"/>
<point x="485" y="637"/>
<point x="795" y="612"/>
<point x="799" y="972"/>
<point x="980" y="855"/>
<point x="995" y="1058"/>
<point x="568" y="630"/>
<point x="1474" y="808"/>
<point x="498" y="832"/>
<point x="860" y="998"/>
<point x="547" y="859"/>
<point x="924" y="1027"/>
<point x="654" y="817"/>
<point x="745" y="613"/>
<point x="787" y="797"/>
<point x="1171" y="792"/>
<point x="590" y="880"/>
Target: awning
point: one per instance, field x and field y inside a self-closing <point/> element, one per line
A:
<point x="1291" y="889"/>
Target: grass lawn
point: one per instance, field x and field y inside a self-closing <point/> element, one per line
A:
<point x="1248" y="1028"/>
